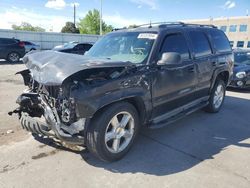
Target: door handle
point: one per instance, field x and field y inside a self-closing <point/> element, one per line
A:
<point x="214" y="64"/>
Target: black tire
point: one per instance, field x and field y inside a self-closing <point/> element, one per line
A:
<point x="13" y="57"/>
<point x="211" y="107"/>
<point x="96" y="132"/>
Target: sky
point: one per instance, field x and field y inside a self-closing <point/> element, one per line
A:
<point x="52" y="14"/>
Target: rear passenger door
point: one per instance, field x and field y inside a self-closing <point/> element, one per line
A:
<point x="204" y="59"/>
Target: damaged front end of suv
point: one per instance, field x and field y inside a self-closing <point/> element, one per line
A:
<point x="95" y="100"/>
<point x="63" y="94"/>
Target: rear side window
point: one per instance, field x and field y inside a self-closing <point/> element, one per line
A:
<point x="176" y="43"/>
<point x="200" y="43"/>
<point x="220" y="41"/>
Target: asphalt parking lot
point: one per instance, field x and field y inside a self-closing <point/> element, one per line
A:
<point x="201" y="150"/>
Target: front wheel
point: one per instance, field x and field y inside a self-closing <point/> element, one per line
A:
<point x="112" y="131"/>
<point x="217" y="97"/>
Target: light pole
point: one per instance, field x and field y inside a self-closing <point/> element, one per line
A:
<point x="74" y="14"/>
<point x="101" y="18"/>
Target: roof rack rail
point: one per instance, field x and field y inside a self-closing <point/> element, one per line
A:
<point x="200" y="25"/>
<point x="175" y="23"/>
<point x="164" y="24"/>
<point x="160" y="23"/>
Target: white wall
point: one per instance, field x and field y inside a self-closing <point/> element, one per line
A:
<point x="47" y="40"/>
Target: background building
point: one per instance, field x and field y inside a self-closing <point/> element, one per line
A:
<point x="237" y="29"/>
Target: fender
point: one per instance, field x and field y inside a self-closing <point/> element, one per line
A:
<point x="89" y="100"/>
<point x="216" y="73"/>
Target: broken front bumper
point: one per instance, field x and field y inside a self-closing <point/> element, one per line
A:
<point x="49" y="124"/>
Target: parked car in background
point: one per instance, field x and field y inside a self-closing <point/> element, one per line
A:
<point x="11" y="49"/>
<point x="74" y="48"/>
<point x="241" y="76"/>
<point x="31" y="46"/>
<point x="145" y="76"/>
<point x="65" y="44"/>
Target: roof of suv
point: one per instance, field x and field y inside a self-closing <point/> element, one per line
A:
<point x="156" y="27"/>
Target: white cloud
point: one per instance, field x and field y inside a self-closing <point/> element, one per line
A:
<point x="150" y="3"/>
<point x="17" y="16"/>
<point x="118" y="21"/>
<point x="228" y="5"/>
<point x="55" y="4"/>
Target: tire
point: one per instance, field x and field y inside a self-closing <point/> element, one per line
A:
<point x="108" y="139"/>
<point x="217" y="97"/>
<point x="13" y="57"/>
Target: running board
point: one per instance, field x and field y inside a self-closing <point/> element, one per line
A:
<point x="179" y="113"/>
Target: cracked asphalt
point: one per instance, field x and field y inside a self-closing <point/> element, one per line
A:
<point x="201" y="150"/>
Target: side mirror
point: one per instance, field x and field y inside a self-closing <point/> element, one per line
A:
<point x="170" y="58"/>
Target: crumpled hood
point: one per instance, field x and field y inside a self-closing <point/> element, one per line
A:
<point x="51" y="67"/>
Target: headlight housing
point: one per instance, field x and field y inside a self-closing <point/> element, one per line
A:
<point x="241" y="74"/>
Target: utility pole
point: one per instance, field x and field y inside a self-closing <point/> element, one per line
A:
<point x="101" y="18"/>
<point x="74" y="14"/>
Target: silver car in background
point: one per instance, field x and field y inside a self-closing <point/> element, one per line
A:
<point x="31" y="46"/>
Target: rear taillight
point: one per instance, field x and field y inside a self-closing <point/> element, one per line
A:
<point x="21" y="44"/>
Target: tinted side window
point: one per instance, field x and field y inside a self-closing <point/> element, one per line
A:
<point x="7" y="41"/>
<point x="87" y="47"/>
<point x="220" y="41"/>
<point x="200" y="43"/>
<point x="175" y="43"/>
<point x="79" y="47"/>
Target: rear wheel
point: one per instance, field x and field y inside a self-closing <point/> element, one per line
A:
<point x="217" y="97"/>
<point x="13" y="57"/>
<point x="112" y="132"/>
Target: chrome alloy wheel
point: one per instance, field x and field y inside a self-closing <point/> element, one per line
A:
<point x="119" y="132"/>
<point x="218" y="96"/>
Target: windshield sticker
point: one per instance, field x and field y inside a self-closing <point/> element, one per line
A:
<point x="151" y="36"/>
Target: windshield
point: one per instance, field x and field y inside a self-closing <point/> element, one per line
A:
<point x="242" y="57"/>
<point x="128" y="46"/>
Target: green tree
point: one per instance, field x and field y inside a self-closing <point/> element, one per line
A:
<point x="27" y="27"/>
<point x="70" y="28"/>
<point x="90" y="24"/>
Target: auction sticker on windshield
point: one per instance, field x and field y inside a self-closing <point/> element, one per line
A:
<point x="151" y="36"/>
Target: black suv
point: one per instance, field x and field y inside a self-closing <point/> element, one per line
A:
<point x="149" y="75"/>
<point x="11" y="49"/>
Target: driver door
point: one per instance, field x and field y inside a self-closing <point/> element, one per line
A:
<point x="174" y="85"/>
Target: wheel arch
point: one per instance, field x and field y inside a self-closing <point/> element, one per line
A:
<point x="136" y="101"/>
<point x="223" y="75"/>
